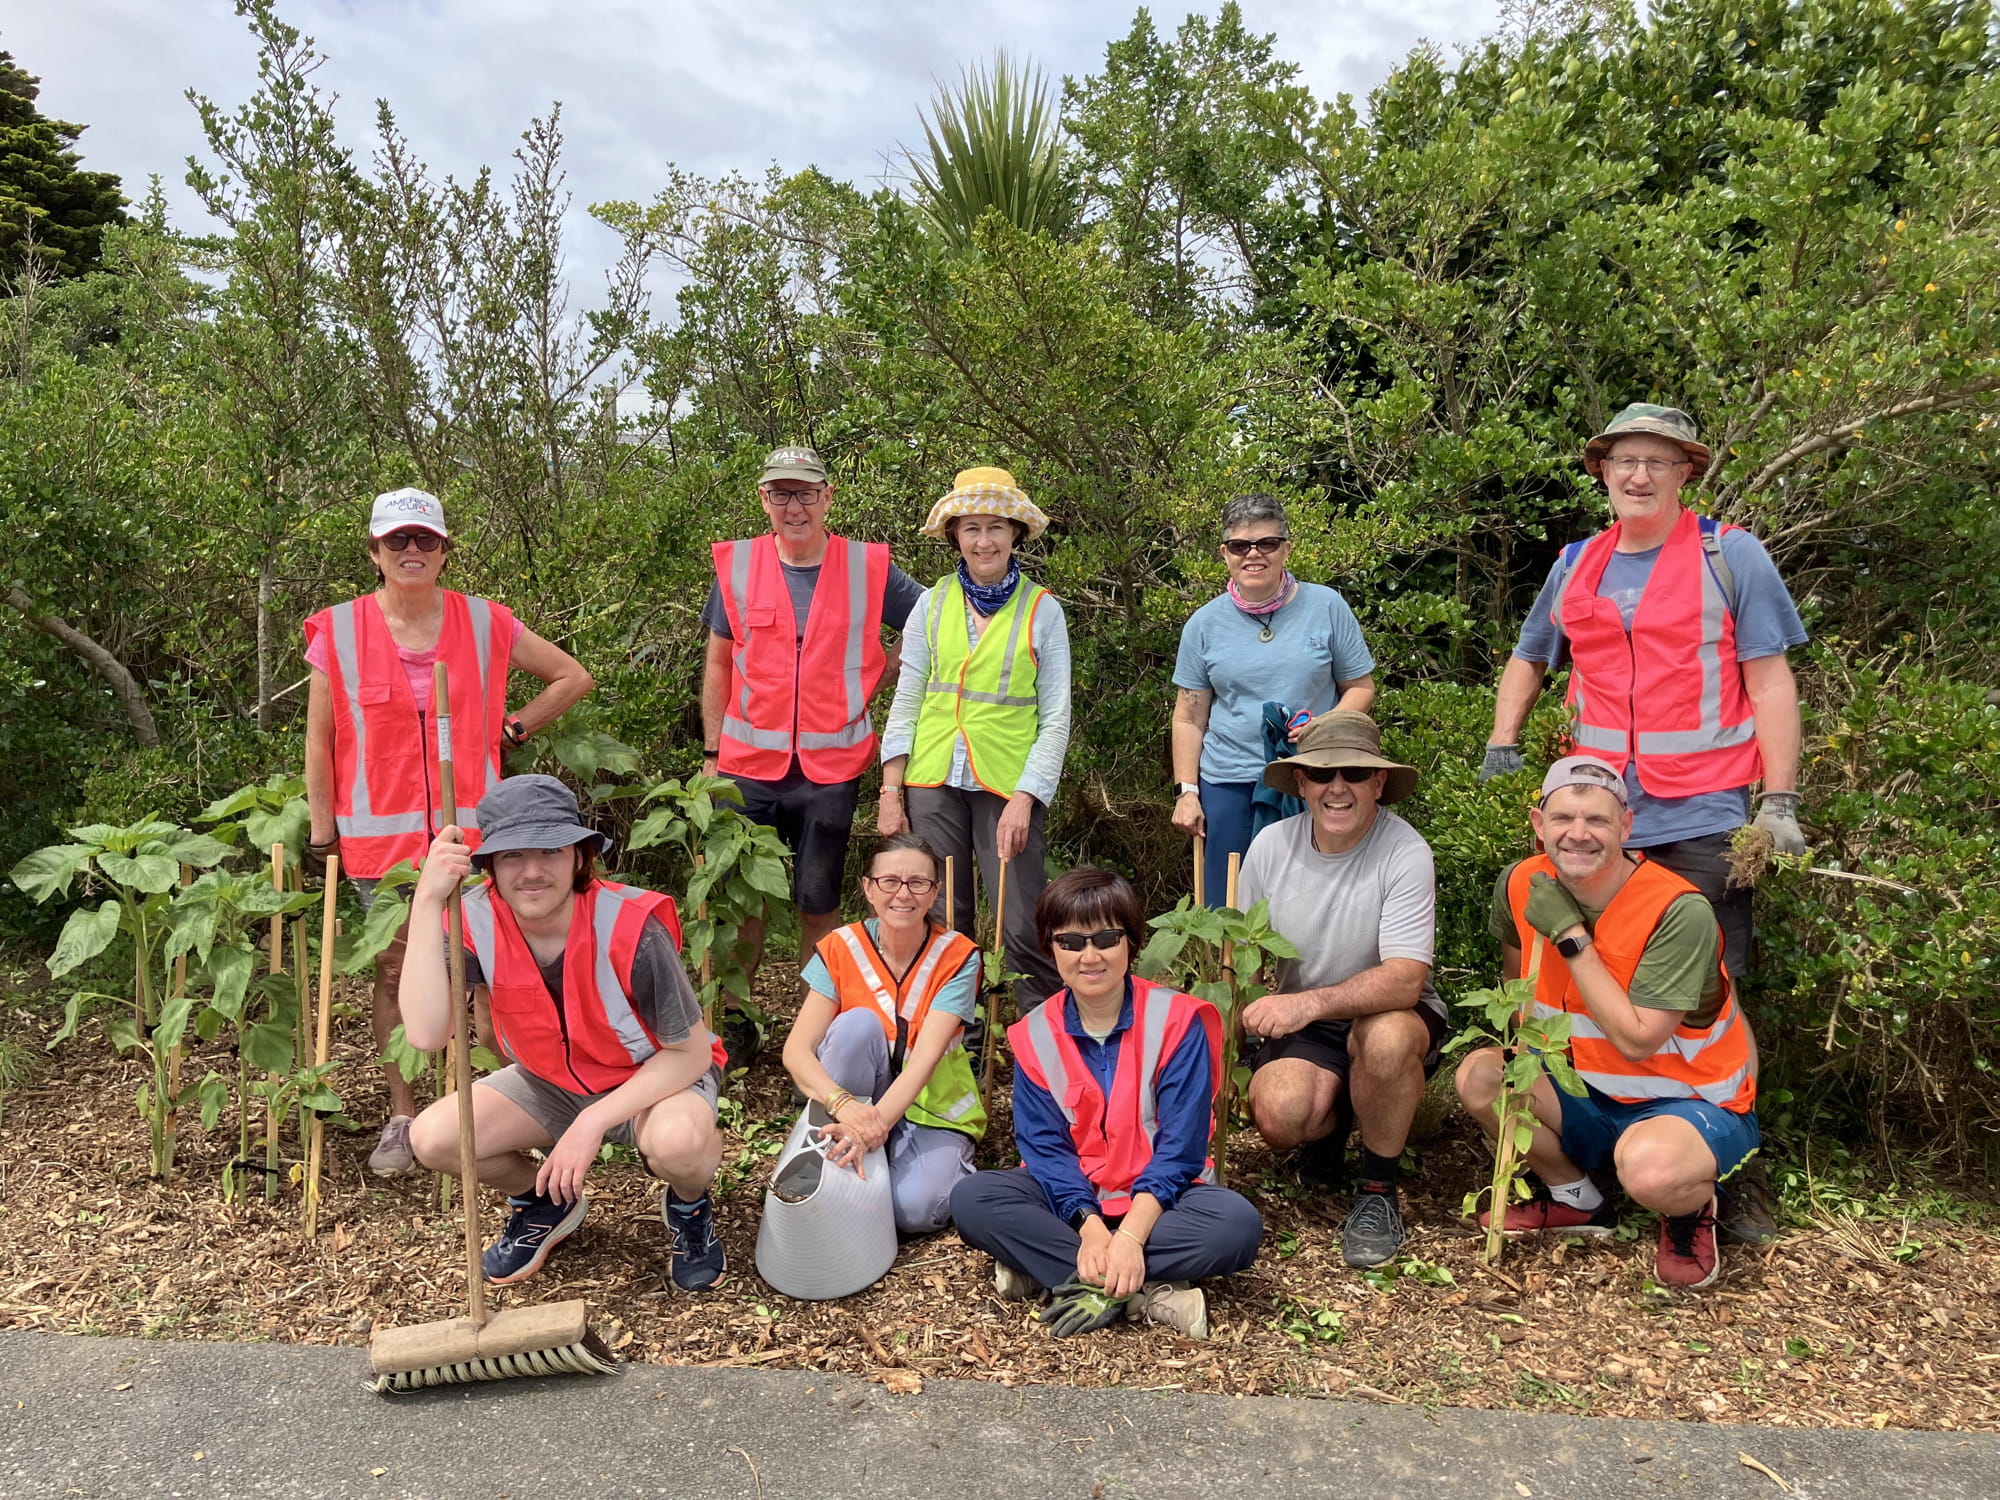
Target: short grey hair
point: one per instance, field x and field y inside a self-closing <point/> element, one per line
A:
<point x="1247" y="508"/>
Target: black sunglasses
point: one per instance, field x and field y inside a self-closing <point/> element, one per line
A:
<point x="1321" y="775"/>
<point x="1104" y="939"/>
<point x="1244" y="546"/>
<point x="399" y="541"/>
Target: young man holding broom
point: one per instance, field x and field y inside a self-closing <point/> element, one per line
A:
<point x="590" y="1004"/>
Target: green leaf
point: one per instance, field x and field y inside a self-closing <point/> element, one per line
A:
<point x="288" y="825"/>
<point x="197" y="849"/>
<point x="768" y="877"/>
<point x="86" y="934"/>
<point x="229" y="971"/>
<point x="123" y="1030"/>
<point x="485" y="1060"/>
<point x="385" y="919"/>
<point x="73" y="1013"/>
<point x="173" y="1021"/>
<point x="407" y="1060"/>
<point x="267" y="1047"/>
<point x="214" y="1096"/>
<point x="144" y="872"/>
<point x="47" y="871"/>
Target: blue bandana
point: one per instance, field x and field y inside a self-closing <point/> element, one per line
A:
<point x="990" y="598"/>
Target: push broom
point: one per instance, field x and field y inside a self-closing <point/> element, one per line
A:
<point x="554" y="1339"/>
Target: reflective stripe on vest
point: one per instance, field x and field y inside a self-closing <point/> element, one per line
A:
<point x="385" y="804"/>
<point x="984" y="690"/>
<point x="1671" y="686"/>
<point x="805" y="696"/>
<point x="1710" y="1063"/>
<point x="1114" y="1152"/>
<point x="950" y="1097"/>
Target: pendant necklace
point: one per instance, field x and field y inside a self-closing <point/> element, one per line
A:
<point x="1266" y="631"/>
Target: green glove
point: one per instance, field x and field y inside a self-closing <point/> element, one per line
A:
<point x="1552" y="910"/>
<point x="1078" y="1307"/>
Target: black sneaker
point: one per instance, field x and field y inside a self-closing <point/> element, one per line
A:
<point x="1746" y="1215"/>
<point x="535" y="1227"/>
<point x="1374" y="1230"/>
<point x="695" y="1257"/>
<point x="741" y="1039"/>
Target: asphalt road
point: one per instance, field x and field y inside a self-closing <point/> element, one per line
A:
<point x="109" y="1418"/>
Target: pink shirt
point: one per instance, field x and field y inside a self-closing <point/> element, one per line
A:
<point x="416" y="664"/>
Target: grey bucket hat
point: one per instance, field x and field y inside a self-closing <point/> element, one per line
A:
<point x="533" y="812"/>
<point x="1641" y="418"/>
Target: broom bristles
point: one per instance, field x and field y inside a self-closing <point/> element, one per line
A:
<point x="589" y="1357"/>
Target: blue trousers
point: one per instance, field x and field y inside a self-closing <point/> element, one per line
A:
<point x="1209" y="1231"/>
<point x="1225" y="805"/>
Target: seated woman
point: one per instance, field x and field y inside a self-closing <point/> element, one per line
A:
<point x="1115" y="1206"/>
<point x="877" y="1040"/>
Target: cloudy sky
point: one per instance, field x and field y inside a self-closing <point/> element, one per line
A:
<point x="711" y="85"/>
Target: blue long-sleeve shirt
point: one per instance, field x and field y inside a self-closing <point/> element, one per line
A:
<point x="1184" y="1102"/>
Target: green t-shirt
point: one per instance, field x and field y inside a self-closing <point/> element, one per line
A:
<point x="1678" y="970"/>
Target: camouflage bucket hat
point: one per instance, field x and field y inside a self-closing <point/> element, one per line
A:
<point x="1669" y="422"/>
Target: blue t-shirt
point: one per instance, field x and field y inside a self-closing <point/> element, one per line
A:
<point x="1767" y="624"/>
<point x="956" y="999"/>
<point x="1316" y="644"/>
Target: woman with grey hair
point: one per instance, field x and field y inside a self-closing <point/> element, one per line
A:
<point x="1268" y="644"/>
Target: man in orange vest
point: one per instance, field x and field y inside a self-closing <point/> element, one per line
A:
<point x="596" y="1016"/>
<point x="795" y="620"/>
<point x="1676" y="629"/>
<point x="1632" y="953"/>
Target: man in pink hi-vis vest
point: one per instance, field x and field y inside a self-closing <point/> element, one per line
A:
<point x="1676" y="629"/>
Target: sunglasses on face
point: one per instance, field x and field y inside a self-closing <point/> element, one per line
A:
<point x="1321" y="775"/>
<point x="1103" y="940"/>
<point x="1244" y="546"/>
<point x="427" y="541"/>
<point x="917" y="885"/>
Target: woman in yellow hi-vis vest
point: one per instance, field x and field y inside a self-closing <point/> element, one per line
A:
<point x="977" y="733"/>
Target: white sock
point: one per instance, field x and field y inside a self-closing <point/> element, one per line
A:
<point x="1581" y="1195"/>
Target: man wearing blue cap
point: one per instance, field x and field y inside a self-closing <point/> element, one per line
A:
<point x="592" y="1008"/>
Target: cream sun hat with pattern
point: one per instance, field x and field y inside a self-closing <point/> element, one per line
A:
<point x="985" y="492"/>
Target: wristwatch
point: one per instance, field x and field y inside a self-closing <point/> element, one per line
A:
<point x="1182" y="788"/>
<point x="515" y="732"/>
<point x="1572" y="945"/>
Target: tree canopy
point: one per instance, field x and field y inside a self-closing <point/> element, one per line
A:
<point x="47" y="198"/>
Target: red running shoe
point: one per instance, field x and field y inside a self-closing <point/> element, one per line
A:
<point x="1688" y="1256"/>
<point x="1542" y="1214"/>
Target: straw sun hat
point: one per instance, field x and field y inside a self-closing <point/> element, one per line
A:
<point x="985" y="492"/>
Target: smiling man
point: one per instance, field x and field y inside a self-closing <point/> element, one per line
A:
<point x="795" y="620"/>
<point x="1633" y="954"/>
<point x="1353" y="1028"/>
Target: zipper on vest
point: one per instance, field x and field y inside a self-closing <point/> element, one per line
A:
<point x="562" y="1023"/>
<point x="424" y="740"/>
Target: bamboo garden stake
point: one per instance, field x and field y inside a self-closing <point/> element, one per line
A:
<point x="271" y="1099"/>
<point x="1225" y="1104"/>
<point x="707" y="962"/>
<point x="1200" y="870"/>
<point x="950" y="895"/>
<point x="174" y="1056"/>
<point x="996" y="979"/>
<point x="323" y="1037"/>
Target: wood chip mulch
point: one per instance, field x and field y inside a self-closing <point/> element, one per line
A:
<point x="1854" y="1323"/>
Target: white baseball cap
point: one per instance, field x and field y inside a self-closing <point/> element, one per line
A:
<point x="406" y="507"/>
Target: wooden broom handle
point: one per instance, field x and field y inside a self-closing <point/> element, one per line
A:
<point x="461" y="1044"/>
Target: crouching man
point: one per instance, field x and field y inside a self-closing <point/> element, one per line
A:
<point x="1633" y="953"/>
<point x="595" y="1014"/>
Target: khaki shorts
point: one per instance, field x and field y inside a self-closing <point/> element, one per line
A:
<point x="555" y="1110"/>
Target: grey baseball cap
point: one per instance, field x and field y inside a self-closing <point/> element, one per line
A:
<point x="1642" y="418"/>
<point x="1575" y="770"/>
<point x="396" y="509"/>
<point x="533" y="812"/>
<point x="793" y="463"/>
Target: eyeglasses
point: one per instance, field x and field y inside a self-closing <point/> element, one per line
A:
<point x="398" y="541"/>
<point x="1103" y="940"/>
<point x="918" y="885"/>
<point x="1656" y="468"/>
<point x="805" y="499"/>
<point x="1321" y="775"/>
<point x="1244" y="546"/>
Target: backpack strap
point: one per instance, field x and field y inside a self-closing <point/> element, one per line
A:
<point x="1711" y="546"/>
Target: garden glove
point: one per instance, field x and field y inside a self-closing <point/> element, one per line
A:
<point x="1551" y="909"/>
<point x="1501" y="760"/>
<point x="312" y="858"/>
<point x="1078" y="1307"/>
<point x="1778" y="815"/>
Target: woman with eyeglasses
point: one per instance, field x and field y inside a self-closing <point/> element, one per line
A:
<point x="371" y="737"/>
<point x="1116" y="1213"/>
<point x="1269" y="647"/>
<point x="876" y="1041"/>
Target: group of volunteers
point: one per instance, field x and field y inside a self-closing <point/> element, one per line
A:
<point x="1675" y="631"/>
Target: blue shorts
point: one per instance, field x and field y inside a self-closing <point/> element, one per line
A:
<point x="1591" y="1127"/>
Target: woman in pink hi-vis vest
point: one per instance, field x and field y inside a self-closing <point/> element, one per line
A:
<point x="371" y="740"/>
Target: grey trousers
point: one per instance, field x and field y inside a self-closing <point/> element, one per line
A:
<point x="960" y="825"/>
<point x="925" y="1161"/>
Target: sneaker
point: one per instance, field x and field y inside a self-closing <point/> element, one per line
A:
<point x="1178" y="1305"/>
<point x="1013" y="1285"/>
<point x="741" y="1039"/>
<point x="535" y="1227"/>
<point x="695" y="1257"/>
<point x="1747" y="1205"/>
<point x="1374" y="1230"/>
<point x="1688" y="1255"/>
<point x="392" y="1156"/>
<point x="1543" y="1214"/>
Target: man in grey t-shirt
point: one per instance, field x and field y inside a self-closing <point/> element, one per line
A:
<point x="1354" y="1026"/>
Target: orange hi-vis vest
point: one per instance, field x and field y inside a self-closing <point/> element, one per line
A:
<point x="385" y="799"/>
<point x="589" y="1040"/>
<point x="1114" y="1138"/>
<point x="1711" y="1062"/>
<point x="1670" y="690"/>
<point x="949" y="1099"/>
<point x="807" y="697"/>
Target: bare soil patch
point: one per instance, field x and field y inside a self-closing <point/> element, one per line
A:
<point x="1856" y="1324"/>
